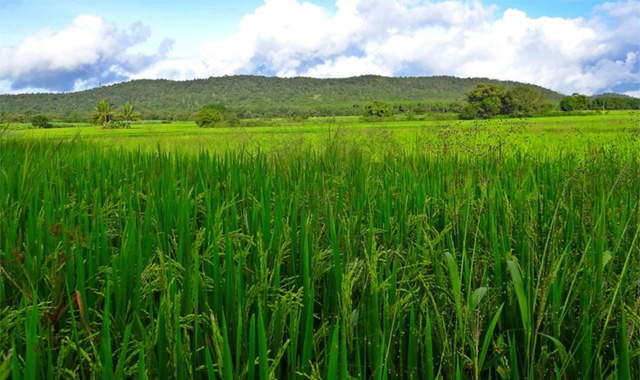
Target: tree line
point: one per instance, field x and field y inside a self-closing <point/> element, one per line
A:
<point x="104" y="114"/>
<point x="579" y="102"/>
<point x="488" y="100"/>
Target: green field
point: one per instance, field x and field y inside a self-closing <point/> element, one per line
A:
<point x="324" y="249"/>
<point x="567" y="132"/>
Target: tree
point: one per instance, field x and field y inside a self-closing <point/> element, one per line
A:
<point x="568" y="103"/>
<point x="215" y="115"/>
<point x="582" y="101"/>
<point x="615" y="102"/>
<point x="103" y="113"/>
<point x="379" y="108"/>
<point x="575" y="102"/>
<point x="468" y="112"/>
<point x="73" y="117"/>
<point x="485" y="100"/>
<point x="128" y="113"/>
<point x="40" y="121"/>
<point x="523" y="101"/>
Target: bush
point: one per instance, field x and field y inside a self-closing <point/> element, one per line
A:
<point x="117" y="124"/>
<point x="575" y="102"/>
<point x="378" y="108"/>
<point x="40" y="121"/>
<point x="486" y="99"/>
<point x="216" y="115"/>
<point x="524" y="101"/>
<point x="468" y="112"/>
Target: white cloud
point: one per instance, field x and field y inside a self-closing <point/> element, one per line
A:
<point x="88" y="51"/>
<point x="633" y="93"/>
<point x="387" y="37"/>
<point x="287" y="36"/>
<point x="597" y="53"/>
<point x="174" y="69"/>
<point x="344" y="67"/>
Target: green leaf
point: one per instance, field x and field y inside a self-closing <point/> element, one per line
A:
<point x="123" y="353"/>
<point x="488" y="337"/>
<point x="334" y="348"/>
<point x="477" y="296"/>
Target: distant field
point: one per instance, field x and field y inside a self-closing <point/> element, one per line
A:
<point x="268" y="135"/>
<point x="326" y="249"/>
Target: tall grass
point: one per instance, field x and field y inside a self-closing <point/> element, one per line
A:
<point x="324" y="264"/>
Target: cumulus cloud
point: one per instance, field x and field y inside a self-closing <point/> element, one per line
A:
<point x="599" y="52"/>
<point x="87" y="52"/>
<point x="290" y="37"/>
<point x="462" y="38"/>
<point x="174" y="69"/>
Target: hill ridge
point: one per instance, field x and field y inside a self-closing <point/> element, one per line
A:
<point x="259" y="94"/>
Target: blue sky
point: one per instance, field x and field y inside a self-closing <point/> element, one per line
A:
<point x="567" y="45"/>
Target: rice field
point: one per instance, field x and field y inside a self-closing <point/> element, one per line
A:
<point x="468" y="252"/>
<point x="434" y="133"/>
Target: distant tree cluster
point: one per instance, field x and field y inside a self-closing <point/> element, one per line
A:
<point x="579" y="102"/>
<point x="216" y="115"/>
<point x="612" y="102"/>
<point x="41" y="121"/>
<point x="575" y="102"/>
<point x="378" y="109"/>
<point x="105" y="114"/>
<point x="488" y="100"/>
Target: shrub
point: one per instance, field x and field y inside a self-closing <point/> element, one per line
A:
<point x="468" y="112"/>
<point x="216" y="115"/>
<point x="116" y="124"/>
<point x="486" y="99"/>
<point x="40" y="121"/>
<point x="575" y="102"/>
<point x="379" y="108"/>
<point x="524" y="101"/>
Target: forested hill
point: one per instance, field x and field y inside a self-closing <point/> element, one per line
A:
<point x="257" y="95"/>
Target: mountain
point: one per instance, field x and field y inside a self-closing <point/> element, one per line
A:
<point x="260" y="96"/>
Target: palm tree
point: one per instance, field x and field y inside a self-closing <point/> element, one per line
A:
<point x="128" y="112"/>
<point x="103" y="112"/>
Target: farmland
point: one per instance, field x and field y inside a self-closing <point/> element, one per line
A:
<point x="329" y="248"/>
<point x="434" y="133"/>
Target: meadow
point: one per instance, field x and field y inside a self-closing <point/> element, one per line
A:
<point x="324" y="249"/>
<point x="271" y="135"/>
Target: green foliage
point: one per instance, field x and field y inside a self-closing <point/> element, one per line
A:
<point x="40" y="121"/>
<point x="215" y="115"/>
<point x="128" y="112"/>
<point x="469" y="112"/>
<point x="524" y="101"/>
<point x="575" y="102"/>
<point x="615" y="102"/>
<point x="568" y="103"/>
<point x="457" y="261"/>
<point x="378" y="109"/>
<point x="117" y="124"/>
<point x="103" y="112"/>
<point x="486" y="100"/>
<point x="74" y="117"/>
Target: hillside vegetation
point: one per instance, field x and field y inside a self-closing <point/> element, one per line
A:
<point x="254" y="96"/>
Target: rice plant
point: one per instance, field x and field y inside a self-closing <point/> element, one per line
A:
<point x="319" y="264"/>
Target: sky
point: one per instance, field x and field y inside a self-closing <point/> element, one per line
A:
<point x="569" y="46"/>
